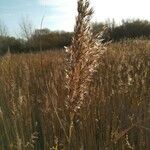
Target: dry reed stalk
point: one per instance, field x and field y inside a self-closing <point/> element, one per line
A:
<point x="82" y="59"/>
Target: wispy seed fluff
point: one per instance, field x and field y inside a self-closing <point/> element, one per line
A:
<point x="82" y="57"/>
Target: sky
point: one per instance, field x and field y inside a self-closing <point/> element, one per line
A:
<point x="60" y="14"/>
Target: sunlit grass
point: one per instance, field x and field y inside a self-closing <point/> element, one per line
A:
<point x="32" y="100"/>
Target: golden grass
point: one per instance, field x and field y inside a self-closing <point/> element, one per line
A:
<point x="107" y="96"/>
<point x="32" y="97"/>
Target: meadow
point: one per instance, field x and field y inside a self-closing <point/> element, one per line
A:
<point x="115" y="115"/>
<point x="92" y="95"/>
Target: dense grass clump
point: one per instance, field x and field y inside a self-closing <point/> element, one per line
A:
<point x="115" y="115"/>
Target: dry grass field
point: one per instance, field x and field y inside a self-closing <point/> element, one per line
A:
<point x="115" y="116"/>
<point x="90" y="96"/>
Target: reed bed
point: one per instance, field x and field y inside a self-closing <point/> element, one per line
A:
<point x="115" y="115"/>
<point x="87" y="98"/>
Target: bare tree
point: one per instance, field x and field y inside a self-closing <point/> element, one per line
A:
<point x="26" y="28"/>
<point x="3" y="29"/>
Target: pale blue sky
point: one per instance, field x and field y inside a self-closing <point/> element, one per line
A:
<point x="60" y="14"/>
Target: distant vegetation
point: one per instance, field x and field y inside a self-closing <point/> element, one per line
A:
<point x="45" y="39"/>
<point x="40" y="40"/>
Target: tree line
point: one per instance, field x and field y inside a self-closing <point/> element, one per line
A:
<point x="34" y="40"/>
<point x="41" y="40"/>
<point x="129" y="29"/>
